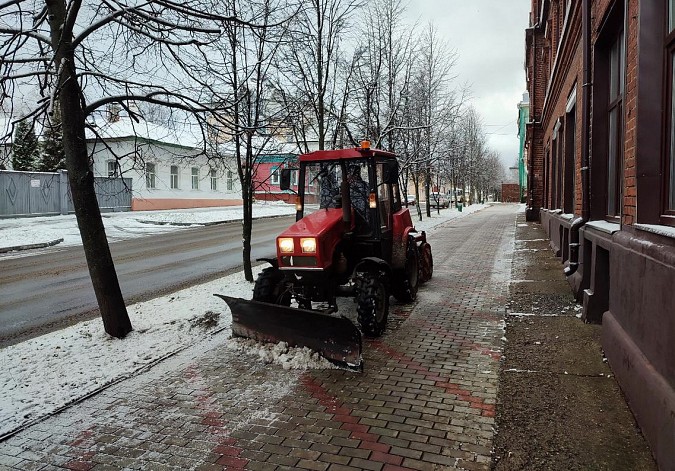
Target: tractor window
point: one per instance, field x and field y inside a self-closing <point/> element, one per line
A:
<point x="384" y="198"/>
<point x="359" y="189"/>
<point x="322" y="184"/>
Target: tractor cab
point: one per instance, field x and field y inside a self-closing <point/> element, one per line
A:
<point x="360" y="182"/>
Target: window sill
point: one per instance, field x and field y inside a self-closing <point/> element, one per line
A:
<point x="666" y="231"/>
<point x="604" y="226"/>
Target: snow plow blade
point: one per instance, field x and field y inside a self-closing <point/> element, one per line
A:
<point x="335" y="338"/>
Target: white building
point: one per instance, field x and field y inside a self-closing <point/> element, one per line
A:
<point x="168" y="168"/>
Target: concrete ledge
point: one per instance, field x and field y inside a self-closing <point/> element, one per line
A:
<point x="649" y="395"/>
<point x="42" y="245"/>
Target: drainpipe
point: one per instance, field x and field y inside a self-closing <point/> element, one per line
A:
<point x="585" y="141"/>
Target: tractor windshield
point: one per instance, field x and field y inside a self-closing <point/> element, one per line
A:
<point x="323" y="179"/>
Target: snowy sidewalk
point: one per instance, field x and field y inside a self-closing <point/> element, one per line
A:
<point x="31" y="390"/>
<point x="425" y="399"/>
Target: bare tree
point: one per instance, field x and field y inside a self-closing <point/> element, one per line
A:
<point x="310" y="63"/>
<point x="87" y="55"/>
<point x="430" y="108"/>
<point x="257" y="108"/>
<point x="383" y="74"/>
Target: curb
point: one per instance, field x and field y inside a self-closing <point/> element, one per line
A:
<point x="212" y="223"/>
<point x="42" y="245"/>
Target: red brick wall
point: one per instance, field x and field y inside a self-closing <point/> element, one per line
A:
<point x="630" y="114"/>
<point x="550" y="99"/>
<point x="510" y="193"/>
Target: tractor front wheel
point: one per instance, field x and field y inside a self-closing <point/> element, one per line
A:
<point x="407" y="280"/>
<point x="269" y="287"/>
<point x="372" y="299"/>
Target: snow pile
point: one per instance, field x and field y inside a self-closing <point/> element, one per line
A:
<point x="281" y="354"/>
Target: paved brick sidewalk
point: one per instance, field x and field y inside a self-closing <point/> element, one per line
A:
<point x="425" y="400"/>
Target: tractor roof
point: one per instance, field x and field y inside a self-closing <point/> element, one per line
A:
<point x="346" y="154"/>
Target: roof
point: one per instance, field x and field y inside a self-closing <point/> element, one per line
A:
<point x="127" y="128"/>
<point x="267" y="148"/>
<point x="341" y="154"/>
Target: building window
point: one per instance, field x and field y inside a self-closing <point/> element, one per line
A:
<point x="669" y="167"/>
<point x="195" y="178"/>
<point x="113" y="169"/>
<point x="214" y="180"/>
<point x="174" y="177"/>
<point x="230" y="182"/>
<point x="615" y="127"/>
<point x="150" y="177"/>
<point x="274" y="180"/>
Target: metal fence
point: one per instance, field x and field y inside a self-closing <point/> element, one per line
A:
<point x="43" y="193"/>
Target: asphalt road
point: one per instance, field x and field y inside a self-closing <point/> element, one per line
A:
<point x="52" y="289"/>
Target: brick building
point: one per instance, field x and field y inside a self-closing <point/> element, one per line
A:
<point x="601" y="179"/>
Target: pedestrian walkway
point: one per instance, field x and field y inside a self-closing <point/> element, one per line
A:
<point x="425" y="400"/>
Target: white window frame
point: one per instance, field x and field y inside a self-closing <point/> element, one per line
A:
<point x="150" y="175"/>
<point x="230" y="180"/>
<point x="214" y="180"/>
<point x="274" y="175"/>
<point x="174" y="177"/>
<point x="195" y="178"/>
<point x="115" y="171"/>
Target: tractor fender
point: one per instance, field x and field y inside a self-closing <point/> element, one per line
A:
<point x="272" y="261"/>
<point x="400" y="247"/>
<point x="371" y="264"/>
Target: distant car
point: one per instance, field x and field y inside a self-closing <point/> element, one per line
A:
<point x="438" y="200"/>
<point x="412" y="201"/>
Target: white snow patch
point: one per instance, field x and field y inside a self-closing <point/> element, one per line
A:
<point x="40" y="375"/>
<point x="288" y="358"/>
<point x="666" y="231"/>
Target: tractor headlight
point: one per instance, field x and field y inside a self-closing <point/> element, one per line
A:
<point x="308" y="245"/>
<point x="286" y="245"/>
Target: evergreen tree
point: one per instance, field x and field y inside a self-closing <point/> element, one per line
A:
<point x="53" y="155"/>
<point x="25" y="149"/>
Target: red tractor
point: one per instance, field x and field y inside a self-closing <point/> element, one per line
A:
<point x="352" y="237"/>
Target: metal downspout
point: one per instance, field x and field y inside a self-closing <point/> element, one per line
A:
<point x="585" y="141"/>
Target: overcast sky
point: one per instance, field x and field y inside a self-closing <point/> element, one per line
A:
<point x="489" y="38"/>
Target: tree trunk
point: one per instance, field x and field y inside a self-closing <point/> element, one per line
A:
<point x="246" y="235"/>
<point x="81" y="178"/>
<point x="247" y="225"/>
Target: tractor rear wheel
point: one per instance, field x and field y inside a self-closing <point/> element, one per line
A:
<point x="372" y="303"/>
<point x="426" y="262"/>
<point x="407" y="280"/>
<point x="269" y="287"/>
